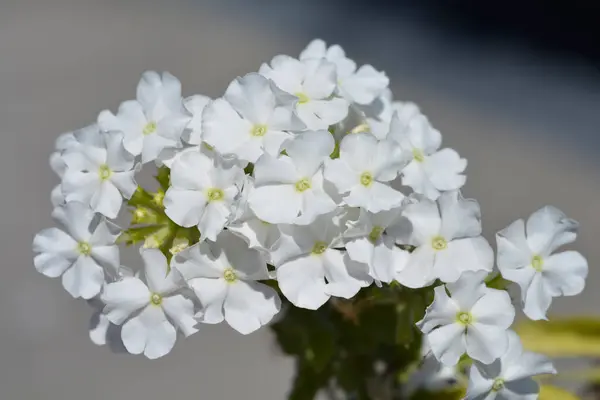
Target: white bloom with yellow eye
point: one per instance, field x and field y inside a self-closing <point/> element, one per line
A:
<point x="527" y="259"/>
<point x="150" y="310"/>
<point x="81" y="254"/>
<point x="429" y="171"/>
<point x="152" y="123"/>
<point x="100" y="176"/>
<point x="224" y="276"/>
<point x="509" y="377"/>
<point x="360" y="86"/>
<point x="253" y="117"/>
<point x="311" y="267"/>
<point x="363" y="170"/>
<point x="313" y="82"/>
<point x="289" y="188"/>
<point x="474" y="319"/>
<point x="448" y="240"/>
<point x="202" y="192"/>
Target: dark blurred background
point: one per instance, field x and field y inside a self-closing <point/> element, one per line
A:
<point x="513" y="85"/>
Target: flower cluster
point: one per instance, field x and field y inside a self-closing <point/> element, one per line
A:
<point x="306" y="180"/>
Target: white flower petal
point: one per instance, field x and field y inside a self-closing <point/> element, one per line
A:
<point x="448" y="343"/>
<point x="565" y="273"/>
<point x="444" y="169"/>
<point x="486" y="343"/>
<point x="425" y="219"/>
<point x="343" y="177"/>
<point x="418" y="271"/>
<point x="211" y="293"/>
<point x="345" y="277"/>
<point x="460" y="217"/>
<point x="309" y="150"/>
<point x="156" y="271"/>
<point x="276" y="203"/>
<point x="537" y="298"/>
<point x="441" y="312"/>
<point x="302" y="281"/>
<point x="469" y="254"/>
<point x="494" y="309"/>
<point x="365" y="85"/>
<point x="250" y="305"/>
<point x="513" y="250"/>
<point x="150" y="333"/>
<point x="84" y="279"/>
<point x="181" y="311"/>
<point x="548" y="229"/>
<point x="123" y="298"/>
<point x="224" y="128"/>
<point x="52" y="265"/>
<point x="248" y="264"/>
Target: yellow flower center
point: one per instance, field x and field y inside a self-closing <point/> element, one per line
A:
<point x="439" y="243"/>
<point x="104" y="172"/>
<point x="150" y="128"/>
<point x="215" y="194"/>
<point x="366" y="179"/>
<point x="179" y="244"/>
<point x="303" y="185"/>
<point x="258" y="130"/>
<point x="158" y="198"/>
<point x="156" y="299"/>
<point x="498" y="385"/>
<point x="537" y="262"/>
<point x="302" y="98"/>
<point x="230" y="276"/>
<point x="84" y="248"/>
<point x="319" y="248"/>
<point x="418" y="155"/>
<point x="464" y="318"/>
<point x="376" y="233"/>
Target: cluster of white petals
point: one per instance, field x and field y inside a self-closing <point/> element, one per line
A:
<point x="299" y="173"/>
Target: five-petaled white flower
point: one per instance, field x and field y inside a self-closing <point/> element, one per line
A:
<point x="429" y="171"/>
<point x="474" y="320"/>
<point x="289" y="188"/>
<point x="360" y="86"/>
<point x="152" y="123"/>
<point x="150" y="311"/>
<point x="100" y="176"/>
<point x="253" y="117"/>
<point x="202" y="192"/>
<point x="313" y="82"/>
<point x="371" y="240"/>
<point x="510" y="377"/>
<point x="527" y="259"/>
<point x="224" y="276"/>
<point x="363" y="170"/>
<point x="448" y="239"/>
<point x="80" y="255"/>
<point x="311" y="268"/>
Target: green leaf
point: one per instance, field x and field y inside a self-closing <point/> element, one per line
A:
<point x="308" y="382"/>
<point x="138" y="234"/>
<point x="453" y="393"/>
<point x="164" y="178"/>
<point x="566" y="337"/>
<point x="496" y="281"/>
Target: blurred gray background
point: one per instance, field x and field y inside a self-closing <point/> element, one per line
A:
<point x="527" y="119"/>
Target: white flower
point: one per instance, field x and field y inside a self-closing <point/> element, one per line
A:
<point x="252" y="118"/>
<point x="224" y="276"/>
<point x="79" y="255"/>
<point x="202" y="192"/>
<point x="150" y="311"/>
<point x="448" y="239"/>
<point x="153" y="122"/>
<point x="100" y="176"/>
<point x="527" y="259"/>
<point x="360" y="86"/>
<point x="311" y="269"/>
<point x="369" y="242"/>
<point x="289" y="189"/>
<point x="474" y="320"/>
<point x="71" y="141"/>
<point x="362" y="172"/>
<point x="313" y="82"/>
<point x="429" y="171"/>
<point x="257" y="233"/>
<point x="510" y="377"/>
<point x="195" y="106"/>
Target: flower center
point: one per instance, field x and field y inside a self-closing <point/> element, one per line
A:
<point x="230" y="276"/>
<point x="156" y="299"/>
<point x="179" y="244"/>
<point x="464" y="318"/>
<point x="150" y="128"/>
<point x="215" y="194"/>
<point x="302" y="98"/>
<point x="158" y="198"/>
<point x="303" y="185"/>
<point x="84" y="248"/>
<point x="319" y="248"/>
<point x="439" y="243"/>
<point x="498" y="385"/>
<point x="258" y="130"/>
<point x="376" y="233"/>
<point x="366" y="179"/>
<point x="104" y="172"/>
<point x="418" y="155"/>
<point x="537" y="262"/>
